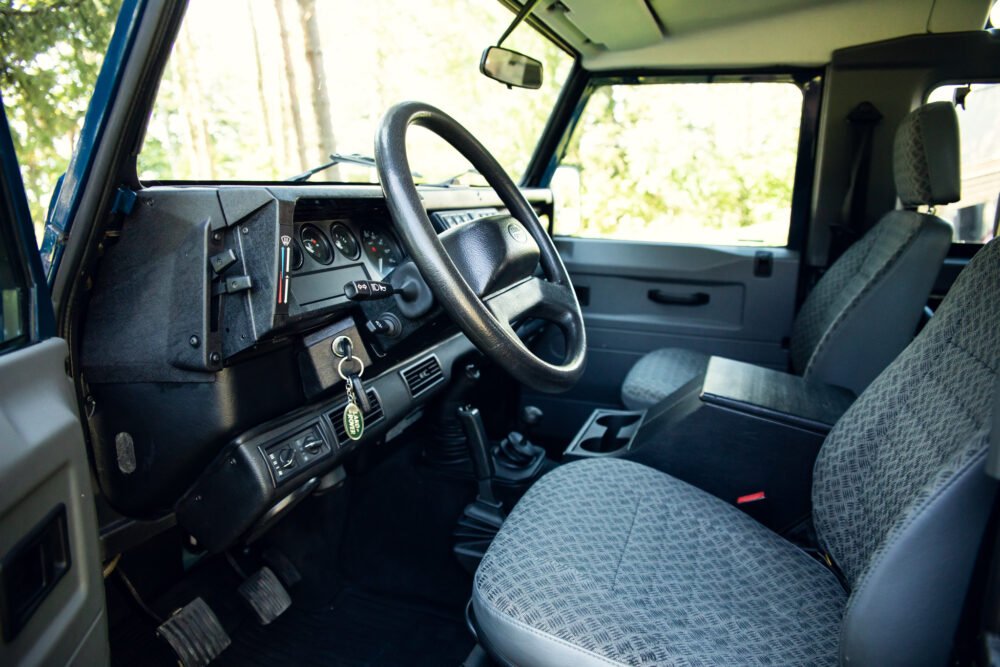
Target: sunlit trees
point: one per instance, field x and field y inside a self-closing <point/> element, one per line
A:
<point x="52" y="50"/>
<point x="313" y="44"/>
<point x="262" y="89"/>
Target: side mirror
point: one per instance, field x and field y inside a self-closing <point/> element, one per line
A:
<point x="511" y="68"/>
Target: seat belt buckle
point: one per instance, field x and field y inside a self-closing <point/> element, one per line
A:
<point x="751" y="498"/>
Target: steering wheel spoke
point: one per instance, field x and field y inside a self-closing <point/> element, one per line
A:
<point x="534" y="297"/>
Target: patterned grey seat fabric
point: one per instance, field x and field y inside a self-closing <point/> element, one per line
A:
<point x="631" y="566"/>
<point x="864" y="310"/>
<point x="663" y="373"/>
<point x="606" y="562"/>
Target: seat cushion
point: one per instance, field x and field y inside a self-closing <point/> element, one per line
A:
<point x="660" y="374"/>
<point x="611" y="562"/>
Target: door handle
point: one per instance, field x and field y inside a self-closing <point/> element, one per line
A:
<point x="695" y="299"/>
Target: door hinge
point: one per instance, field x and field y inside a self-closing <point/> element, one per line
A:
<point x="124" y="201"/>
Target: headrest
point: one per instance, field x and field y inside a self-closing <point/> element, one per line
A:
<point x="925" y="156"/>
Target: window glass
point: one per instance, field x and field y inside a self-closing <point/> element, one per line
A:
<point x="700" y="163"/>
<point x="288" y="82"/>
<point x="974" y="216"/>
<point x="52" y="54"/>
<point x="13" y="291"/>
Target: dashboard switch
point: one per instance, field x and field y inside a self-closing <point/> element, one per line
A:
<point x="286" y="458"/>
<point x="313" y="445"/>
<point x="386" y="325"/>
<point x="293" y="453"/>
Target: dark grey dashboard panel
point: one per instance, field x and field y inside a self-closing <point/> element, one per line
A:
<point x="197" y="323"/>
<point x="321" y="288"/>
<point x="262" y="466"/>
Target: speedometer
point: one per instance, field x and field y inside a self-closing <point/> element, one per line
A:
<point x="381" y="249"/>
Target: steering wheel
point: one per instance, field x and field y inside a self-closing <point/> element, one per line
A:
<point x="488" y="282"/>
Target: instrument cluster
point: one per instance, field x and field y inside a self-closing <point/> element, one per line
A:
<point x="318" y="246"/>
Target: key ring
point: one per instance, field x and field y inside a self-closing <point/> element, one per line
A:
<point x="340" y="367"/>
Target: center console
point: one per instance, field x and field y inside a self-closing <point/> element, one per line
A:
<point x="748" y="434"/>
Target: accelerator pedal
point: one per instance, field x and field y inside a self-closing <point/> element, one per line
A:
<point x="265" y="595"/>
<point x="195" y="634"/>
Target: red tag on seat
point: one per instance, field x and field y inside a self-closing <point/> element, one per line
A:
<point x="750" y="498"/>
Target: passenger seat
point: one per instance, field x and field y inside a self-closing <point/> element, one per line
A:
<point x="865" y="308"/>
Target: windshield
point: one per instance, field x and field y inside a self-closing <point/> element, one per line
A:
<point x="267" y="89"/>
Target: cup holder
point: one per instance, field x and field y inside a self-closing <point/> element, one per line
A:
<point x="604" y="445"/>
<point x="606" y="433"/>
<point x="617" y="422"/>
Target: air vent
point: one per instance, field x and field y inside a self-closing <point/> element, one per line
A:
<point x="422" y="375"/>
<point x="374" y="416"/>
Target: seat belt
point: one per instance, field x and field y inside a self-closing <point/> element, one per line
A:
<point x="849" y="226"/>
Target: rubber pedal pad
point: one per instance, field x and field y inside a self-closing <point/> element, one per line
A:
<point x="287" y="573"/>
<point x="265" y="595"/>
<point x="195" y="634"/>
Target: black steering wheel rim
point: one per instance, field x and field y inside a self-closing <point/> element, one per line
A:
<point x="487" y="322"/>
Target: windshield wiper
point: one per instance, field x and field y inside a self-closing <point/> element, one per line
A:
<point x="335" y="159"/>
<point x="449" y="182"/>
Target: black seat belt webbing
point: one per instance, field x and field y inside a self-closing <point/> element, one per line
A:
<point x="849" y="227"/>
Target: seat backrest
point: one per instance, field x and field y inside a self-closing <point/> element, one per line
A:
<point x="900" y="496"/>
<point x="864" y="310"/>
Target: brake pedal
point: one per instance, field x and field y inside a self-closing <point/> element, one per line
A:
<point x="287" y="573"/>
<point x="195" y="634"/>
<point x="265" y="594"/>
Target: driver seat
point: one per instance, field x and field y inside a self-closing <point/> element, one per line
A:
<point x="608" y="562"/>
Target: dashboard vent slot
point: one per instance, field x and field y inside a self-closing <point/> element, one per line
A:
<point x="422" y="375"/>
<point x="337" y="416"/>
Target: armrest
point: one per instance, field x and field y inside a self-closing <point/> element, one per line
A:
<point x="774" y="395"/>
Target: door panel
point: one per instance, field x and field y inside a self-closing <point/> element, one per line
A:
<point x="43" y="472"/>
<point x="734" y="311"/>
<point x="52" y="609"/>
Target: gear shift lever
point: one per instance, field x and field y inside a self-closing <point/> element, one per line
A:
<point x="516" y="453"/>
<point x="479" y="448"/>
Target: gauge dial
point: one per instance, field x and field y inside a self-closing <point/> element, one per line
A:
<point x="381" y="249"/>
<point x="344" y="240"/>
<point x="316" y="244"/>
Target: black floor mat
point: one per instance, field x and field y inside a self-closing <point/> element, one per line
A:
<point x="356" y="629"/>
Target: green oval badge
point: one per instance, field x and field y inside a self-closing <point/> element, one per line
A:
<point x="354" y="421"/>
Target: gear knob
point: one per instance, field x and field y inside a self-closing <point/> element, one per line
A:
<point x="531" y="415"/>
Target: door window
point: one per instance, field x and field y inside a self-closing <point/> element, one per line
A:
<point x="13" y="292"/>
<point x="974" y="217"/>
<point x="53" y="52"/>
<point x="699" y="163"/>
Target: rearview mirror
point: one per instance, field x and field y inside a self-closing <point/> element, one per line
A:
<point x="511" y="68"/>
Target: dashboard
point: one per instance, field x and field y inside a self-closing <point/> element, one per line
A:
<point x="208" y="345"/>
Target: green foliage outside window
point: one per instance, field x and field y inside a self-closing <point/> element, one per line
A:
<point x="704" y="163"/>
<point x="52" y="52"/>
